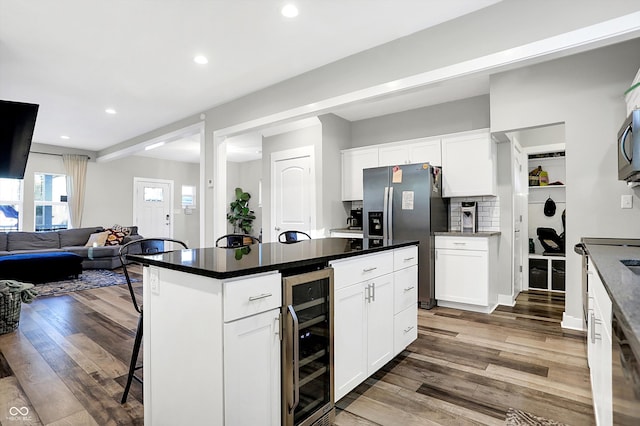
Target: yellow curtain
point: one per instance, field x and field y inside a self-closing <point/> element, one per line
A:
<point x="76" y="170"/>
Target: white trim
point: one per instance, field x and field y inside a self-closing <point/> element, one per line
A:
<point x="543" y="149"/>
<point x="303" y="151"/>
<point x="140" y="146"/>
<point x="572" y="323"/>
<point x="506" y="300"/>
<point x="137" y="180"/>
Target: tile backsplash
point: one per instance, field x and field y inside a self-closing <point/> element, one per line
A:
<point x="488" y="213"/>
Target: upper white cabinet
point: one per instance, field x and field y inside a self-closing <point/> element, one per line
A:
<point x="424" y="150"/>
<point x="468" y="164"/>
<point x="354" y="161"/>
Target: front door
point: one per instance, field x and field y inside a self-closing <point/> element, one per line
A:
<point x="292" y="193"/>
<point x="152" y="207"/>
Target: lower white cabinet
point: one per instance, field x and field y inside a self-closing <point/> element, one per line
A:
<point x="465" y="272"/>
<point x="374" y="318"/>
<point x="363" y="331"/>
<point x="252" y="370"/>
<point x="599" y="348"/>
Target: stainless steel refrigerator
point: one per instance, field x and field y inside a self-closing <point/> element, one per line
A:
<point x="405" y="202"/>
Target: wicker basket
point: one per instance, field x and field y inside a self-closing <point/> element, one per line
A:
<point x="10" y="305"/>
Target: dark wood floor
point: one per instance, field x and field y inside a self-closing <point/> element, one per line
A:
<point x="67" y="364"/>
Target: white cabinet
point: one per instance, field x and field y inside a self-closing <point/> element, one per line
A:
<point x="465" y="272"/>
<point x="599" y="348"/>
<point x="368" y="313"/>
<point x="423" y="150"/>
<point x="222" y="338"/>
<point x="405" y="298"/>
<point x="353" y="162"/>
<point x="252" y="370"/>
<point x="468" y="164"/>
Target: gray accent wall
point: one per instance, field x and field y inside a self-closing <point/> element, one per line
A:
<point x="585" y="92"/>
<point x="450" y="117"/>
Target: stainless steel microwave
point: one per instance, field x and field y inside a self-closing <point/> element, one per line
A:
<point x="629" y="148"/>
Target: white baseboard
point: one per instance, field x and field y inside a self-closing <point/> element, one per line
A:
<point x="506" y="300"/>
<point x="467" y="306"/>
<point x="572" y="323"/>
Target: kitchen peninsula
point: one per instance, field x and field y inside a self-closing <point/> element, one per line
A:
<point x="213" y="324"/>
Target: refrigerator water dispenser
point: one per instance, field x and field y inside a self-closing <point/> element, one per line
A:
<point x="469" y="216"/>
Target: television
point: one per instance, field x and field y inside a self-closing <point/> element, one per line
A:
<point x="17" y="122"/>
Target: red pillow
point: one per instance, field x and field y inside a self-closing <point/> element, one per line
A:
<point x="114" y="238"/>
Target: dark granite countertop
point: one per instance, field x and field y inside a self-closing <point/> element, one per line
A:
<point x="228" y="263"/>
<point x="466" y="234"/>
<point x="622" y="285"/>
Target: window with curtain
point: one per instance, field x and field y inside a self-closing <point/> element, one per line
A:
<point x="10" y="205"/>
<point x="50" y="202"/>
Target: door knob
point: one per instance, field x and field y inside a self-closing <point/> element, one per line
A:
<point x="276" y="228"/>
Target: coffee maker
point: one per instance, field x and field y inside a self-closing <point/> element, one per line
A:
<point x="469" y="217"/>
<point x="355" y="219"/>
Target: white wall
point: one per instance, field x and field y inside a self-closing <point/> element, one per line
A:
<point x="586" y="93"/>
<point x="247" y="176"/>
<point x="109" y="193"/>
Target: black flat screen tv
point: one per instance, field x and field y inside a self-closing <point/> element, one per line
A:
<point x="17" y="122"/>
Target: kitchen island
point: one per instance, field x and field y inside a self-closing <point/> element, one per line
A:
<point x="213" y="324"/>
<point x="613" y="323"/>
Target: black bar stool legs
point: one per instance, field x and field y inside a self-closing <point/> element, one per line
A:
<point x="134" y="361"/>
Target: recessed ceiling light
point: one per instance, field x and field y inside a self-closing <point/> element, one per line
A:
<point x="153" y="146"/>
<point x="110" y="111"/>
<point x="289" y="10"/>
<point x="200" y="59"/>
<point x="64" y="137"/>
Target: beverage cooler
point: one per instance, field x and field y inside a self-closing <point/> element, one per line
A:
<point x="307" y="349"/>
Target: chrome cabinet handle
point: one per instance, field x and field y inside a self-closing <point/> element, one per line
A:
<point x="262" y="296"/>
<point x="367" y="296"/>
<point x="459" y="244"/>
<point x="409" y="288"/>
<point x="373" y="292"/>
<point x="373" y="268"/>
<point x="296" y="359"/>
<point x="406" y="259"/>
<point x="408" y="329"/>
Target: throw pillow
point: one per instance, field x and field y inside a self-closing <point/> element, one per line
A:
<point x="125" y="229"/>
<point x="97" y="239"/>
<point x="114" y="237"/>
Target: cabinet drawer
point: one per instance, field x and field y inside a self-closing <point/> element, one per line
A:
<point x="405" y="284"/>
<point x="462" y="243"/>
<point x="361" y="268"/>
<point x="405" y="328"/>
<point x="405" y="257"/>
<point x="249" y="296"/>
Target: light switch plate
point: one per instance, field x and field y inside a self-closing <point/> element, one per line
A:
<point x="626" y="202"/>
<point x="154" y="281"/>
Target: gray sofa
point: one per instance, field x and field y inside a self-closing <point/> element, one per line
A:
<point x="71" y="240"/>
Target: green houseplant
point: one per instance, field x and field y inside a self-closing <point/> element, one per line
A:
<point x="240" y="215"/>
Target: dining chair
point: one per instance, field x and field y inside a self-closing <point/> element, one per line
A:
<point x="140" y="246"/>
<point x="236" y="240"/>
<point x="290" y="237"/>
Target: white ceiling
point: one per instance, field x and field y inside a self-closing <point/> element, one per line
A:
<point x="75" y="58"/>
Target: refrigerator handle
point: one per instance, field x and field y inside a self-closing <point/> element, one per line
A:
<point x="385" y="211"/>
<point x="390" y="221"/>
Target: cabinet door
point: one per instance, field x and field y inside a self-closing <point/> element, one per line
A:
<point x="393" y="155"/>
<point x="252" y="370"/>
<point x="353" y="162"/>
<point x="379" y="322"/>
<point x="350" y="339"/>
<point x="468" y="167"/>
<point x="462" y="276"/>
<point x="426" y="151"/>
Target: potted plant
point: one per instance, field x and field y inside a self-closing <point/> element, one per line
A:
<point x="240" y="215"/>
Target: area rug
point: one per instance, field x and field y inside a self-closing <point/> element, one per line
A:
<point x="521" y="418"/>
<point x="91" y="278"/>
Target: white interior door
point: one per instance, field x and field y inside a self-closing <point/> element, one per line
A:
<point x="292" y="192"/>
<point x="520" y="209"/>
<point x="152" y="214"/>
